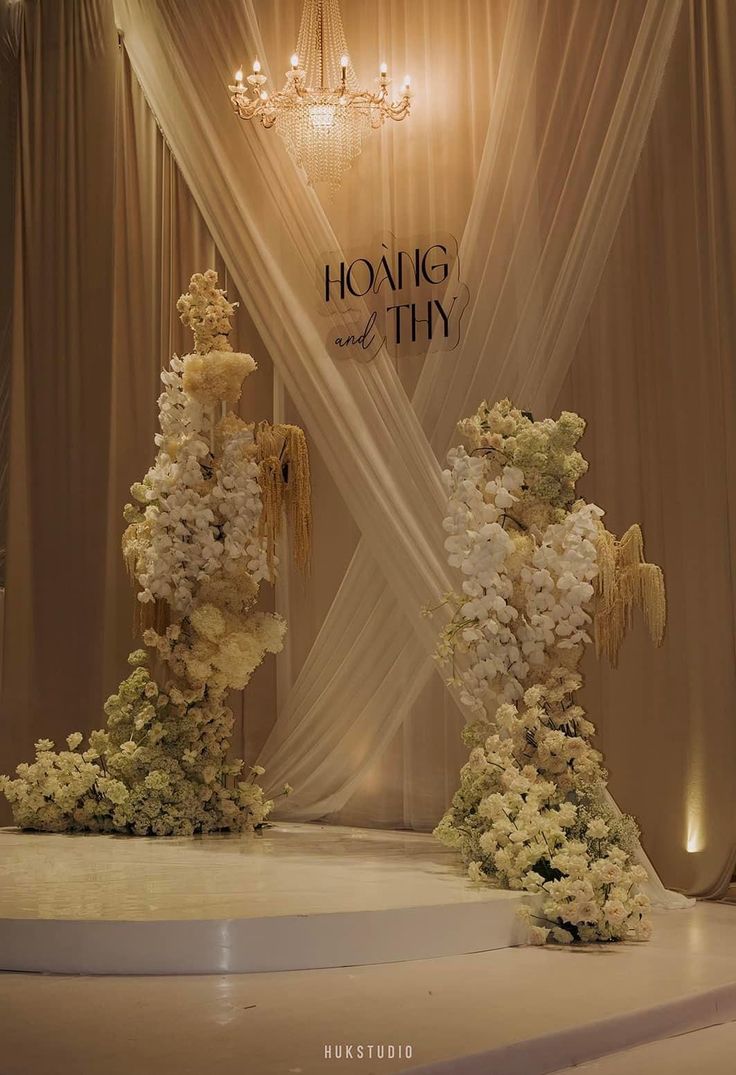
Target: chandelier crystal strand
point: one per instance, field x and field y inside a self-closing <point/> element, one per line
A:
<point x="320" y="112"/>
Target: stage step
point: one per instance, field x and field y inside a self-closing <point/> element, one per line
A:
<point x="297" y="897"/>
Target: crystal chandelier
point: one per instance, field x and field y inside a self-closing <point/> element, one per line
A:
<point x="320" y="113"/>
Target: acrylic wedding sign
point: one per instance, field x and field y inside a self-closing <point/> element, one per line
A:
<point x="404" y="294"/>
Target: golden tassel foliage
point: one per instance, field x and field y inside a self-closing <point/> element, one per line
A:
<point x="625" y="581"/>
<point x="285" y="481"/>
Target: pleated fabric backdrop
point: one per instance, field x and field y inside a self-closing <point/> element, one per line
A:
<point x="584" y="157"/>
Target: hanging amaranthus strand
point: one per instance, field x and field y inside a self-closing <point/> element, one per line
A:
<point x="626" y="581"/>
<point x="285" y="480"/>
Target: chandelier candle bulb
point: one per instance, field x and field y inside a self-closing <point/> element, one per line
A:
<point x="239" y="77"/>
<point x="256" y="67"/>
<point x="294" y="62"/>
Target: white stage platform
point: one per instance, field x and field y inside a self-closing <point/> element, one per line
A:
<point x="516" y="1011"/>
<point x="297" y="897"/>
<point x="383" y="938"/>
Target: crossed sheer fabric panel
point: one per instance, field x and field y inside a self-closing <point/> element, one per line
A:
<point x="543" y="217"/>
<point x="392" y="485"/>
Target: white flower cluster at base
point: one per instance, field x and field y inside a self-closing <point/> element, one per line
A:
<point x="158" y="769"/>
<point x="530" y="812"/>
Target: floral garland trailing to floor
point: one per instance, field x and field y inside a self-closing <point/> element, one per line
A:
<point x="539" y="568"/>
<point x="201" y="537"/>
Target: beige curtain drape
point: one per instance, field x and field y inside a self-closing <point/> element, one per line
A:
<point x="60" y="371"/>
<point x="598" y="252"/>
<point x="9" y="29"/>
<point x="654" y="374"/>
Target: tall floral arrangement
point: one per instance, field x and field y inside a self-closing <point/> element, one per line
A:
<point x="541" y="579"/>
<point x="201" y="537"/>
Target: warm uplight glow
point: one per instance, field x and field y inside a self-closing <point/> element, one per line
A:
<point x="695" y="808"/>
<point x="695" y="839"/>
